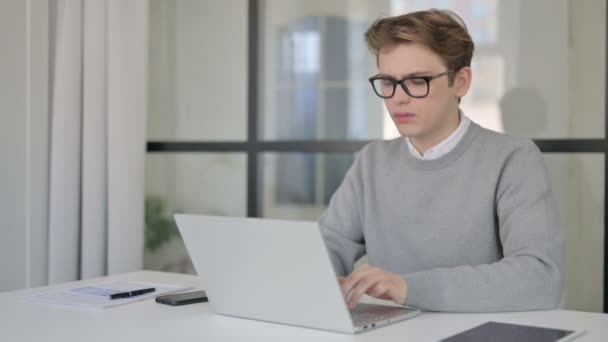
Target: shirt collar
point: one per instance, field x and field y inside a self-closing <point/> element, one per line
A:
<point x="446" y="145"/>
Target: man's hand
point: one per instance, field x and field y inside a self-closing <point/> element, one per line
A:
<point x="374" y="282"/>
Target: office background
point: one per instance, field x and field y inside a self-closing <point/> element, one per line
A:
<point x="257" y="108"/>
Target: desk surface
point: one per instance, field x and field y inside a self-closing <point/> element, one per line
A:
<point x="149" y="321"/>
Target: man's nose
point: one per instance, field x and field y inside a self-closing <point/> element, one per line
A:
<point x="401" y="95"/>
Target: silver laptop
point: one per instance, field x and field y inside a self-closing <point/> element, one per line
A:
<point x="275" y="271"/>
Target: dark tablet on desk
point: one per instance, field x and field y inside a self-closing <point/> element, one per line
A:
<point x="505" y="332"/>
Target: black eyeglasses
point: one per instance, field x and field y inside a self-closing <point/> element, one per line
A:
<point x="416" y="86"/>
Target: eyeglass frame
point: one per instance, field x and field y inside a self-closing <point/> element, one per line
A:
<point x="401" y="82"/>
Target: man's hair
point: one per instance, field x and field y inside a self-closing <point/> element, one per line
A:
<point x="442" y="31"/>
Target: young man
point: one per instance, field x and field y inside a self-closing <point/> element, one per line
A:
<point x="452" y="217"/>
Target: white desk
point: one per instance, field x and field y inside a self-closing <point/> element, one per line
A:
<point x="148" y="321"/>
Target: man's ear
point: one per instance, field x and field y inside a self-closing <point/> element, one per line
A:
<point x="462" y="81"/>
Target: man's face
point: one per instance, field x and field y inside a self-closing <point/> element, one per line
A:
<point x="433" y="118"/>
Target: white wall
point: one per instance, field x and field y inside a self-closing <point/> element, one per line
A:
<point x="587" y="37"/>
<point x="585" y="211"/>
<point x="23" y="142"/>
<point x="198" y="70"/>
<point x="198" y="91"/>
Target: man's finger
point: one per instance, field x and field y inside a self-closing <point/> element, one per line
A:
<point x="362" y="287"/>
<point x="378" y="290"/>
<point x="351" y="281"/>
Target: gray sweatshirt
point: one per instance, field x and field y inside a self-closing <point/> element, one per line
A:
<point x="475" y="230"/>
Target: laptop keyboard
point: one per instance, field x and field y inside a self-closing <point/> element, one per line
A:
<point x="366" y="314"/>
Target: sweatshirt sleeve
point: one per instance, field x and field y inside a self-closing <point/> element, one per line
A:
<point x="341" y="224"/>
<point x="530" y="276"/>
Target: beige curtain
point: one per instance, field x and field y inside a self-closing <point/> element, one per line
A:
<point x="98" y="124"/>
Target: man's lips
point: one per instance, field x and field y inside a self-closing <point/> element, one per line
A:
<point x="403" y="117"/>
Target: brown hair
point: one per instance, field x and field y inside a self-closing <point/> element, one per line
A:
<point x="442" y="31"/>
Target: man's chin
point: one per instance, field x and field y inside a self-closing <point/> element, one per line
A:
<point x="408" y="133"/>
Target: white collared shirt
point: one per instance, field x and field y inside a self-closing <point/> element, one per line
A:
<point x="445" y="146"/>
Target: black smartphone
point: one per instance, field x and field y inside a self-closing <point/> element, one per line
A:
<point x="183" y="298"/>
